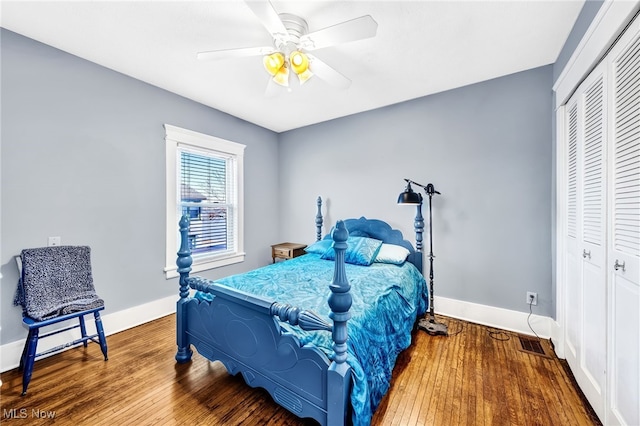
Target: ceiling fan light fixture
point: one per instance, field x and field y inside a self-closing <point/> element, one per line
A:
<point x="300" y="65"/>
<point x="299" y="61"/>
<point x="292" y="43"/>
<point x="282" y="76"/>
<point x="273" y="63"/>
<point x="303" y="77"/>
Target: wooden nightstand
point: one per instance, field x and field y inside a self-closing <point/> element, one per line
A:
<point x="287" y="250"/>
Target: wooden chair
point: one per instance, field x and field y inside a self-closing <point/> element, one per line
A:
<point x="56" y="285"/>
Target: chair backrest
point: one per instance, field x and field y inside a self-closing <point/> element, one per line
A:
<point x="55" y="281"/>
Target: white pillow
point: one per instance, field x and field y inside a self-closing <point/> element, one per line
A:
<point x="391" y="253"/>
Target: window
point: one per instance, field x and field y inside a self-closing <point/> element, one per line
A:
<point x="204" y="182"/>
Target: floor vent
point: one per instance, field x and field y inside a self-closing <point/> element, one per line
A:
<point x="532" y="346"/>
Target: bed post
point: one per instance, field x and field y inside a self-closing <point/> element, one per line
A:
<point x="339" y="374"/>
<point x="319" y="219"/>
<point x="184" y="267"/>
<point x="418" y="226"/>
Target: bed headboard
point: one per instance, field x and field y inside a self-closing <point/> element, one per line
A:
<point x="380" y="230"/>
<point x="374" y="228"/>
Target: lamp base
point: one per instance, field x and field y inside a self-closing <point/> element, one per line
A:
<point x="432" y="327"/>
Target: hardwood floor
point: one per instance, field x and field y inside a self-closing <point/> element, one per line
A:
<point x="475" y="377"/>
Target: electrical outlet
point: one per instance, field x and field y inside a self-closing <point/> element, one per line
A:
<point x="54" y="241"/>
<point x="532" y="298"/>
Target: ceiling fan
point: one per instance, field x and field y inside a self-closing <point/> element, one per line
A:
<point x="292" y="43"/>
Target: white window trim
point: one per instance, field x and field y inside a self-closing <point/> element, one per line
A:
<point x="175" y="137"/>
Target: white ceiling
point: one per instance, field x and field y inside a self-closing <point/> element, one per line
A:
<point x="421" y="48"/>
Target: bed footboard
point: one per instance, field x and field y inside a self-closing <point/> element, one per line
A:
<point x="243" y="331"/>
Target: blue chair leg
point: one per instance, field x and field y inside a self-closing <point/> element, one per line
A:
<point x="101" y="337"/>
<point x="32" y="343"/>
<point x="24" y="352"/>
<point x="83" y="329"/>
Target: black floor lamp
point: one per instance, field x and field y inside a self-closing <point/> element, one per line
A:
<point x="428" y="324"/>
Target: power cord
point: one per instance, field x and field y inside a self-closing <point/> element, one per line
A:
<point x="529" y="316"/>
<point x="495" y="333"/>
<point x="448" y="323"/>
<point x="457" y="331"/>
<point x="504" y="336"/>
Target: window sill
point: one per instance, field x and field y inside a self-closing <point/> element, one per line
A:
<point x="205" y="265"/>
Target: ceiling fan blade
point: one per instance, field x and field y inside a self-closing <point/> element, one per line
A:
<point x="269" y="17"/>
<point x="328" y="74"/>
<point x="217" y="55"/>
<point x="355" y="29"/>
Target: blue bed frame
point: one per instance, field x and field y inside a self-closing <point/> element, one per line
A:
<point x="243" y="330"/>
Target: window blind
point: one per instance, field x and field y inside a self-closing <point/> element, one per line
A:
<point x="206" y="195"/>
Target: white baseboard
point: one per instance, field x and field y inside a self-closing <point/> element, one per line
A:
<point x="112" y="322"/>
<point x="491" y="316"/>
<point x="557" y="339"/>
<point x="115" y="322"/>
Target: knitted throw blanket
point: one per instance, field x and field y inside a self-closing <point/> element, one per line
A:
<point x="56" y="281"/>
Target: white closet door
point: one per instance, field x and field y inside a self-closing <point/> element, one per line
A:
<point x="593" y="358"/>
<point x="573" y="330"/>
<point x="624" y="246"/>
<point x="586" y="320"/>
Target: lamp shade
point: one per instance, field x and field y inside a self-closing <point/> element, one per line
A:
<point x="300" y="65"/>
<point x="282" y="77"/>
<point x="299" y="62"/>
<point x="409" y="197"/>
<point x="273" y="63"/>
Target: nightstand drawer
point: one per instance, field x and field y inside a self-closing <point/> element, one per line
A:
<point x="282" y="252"/>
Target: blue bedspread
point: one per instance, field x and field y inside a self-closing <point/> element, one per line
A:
<point x="386" y="301"/>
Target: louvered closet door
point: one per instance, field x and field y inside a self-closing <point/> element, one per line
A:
<point x="624" y="245"/>
<point x="573" y="330"/>
<point x="594" y="244"/>
<point x="587" y="244"/>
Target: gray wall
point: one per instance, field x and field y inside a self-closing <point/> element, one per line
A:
<point x="83" y="157"/>
<point x="486" y="147"/>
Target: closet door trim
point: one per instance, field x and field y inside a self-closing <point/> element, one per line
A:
<point x="600" y="35"/>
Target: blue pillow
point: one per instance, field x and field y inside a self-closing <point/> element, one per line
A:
<point x="360" y="251"/>
<point x="319" y="247"/>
